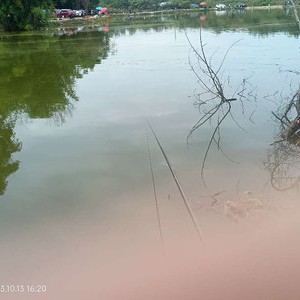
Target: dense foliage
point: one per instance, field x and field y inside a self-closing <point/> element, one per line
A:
<point x="24" y="14"/>
<point x="17" y="15"/>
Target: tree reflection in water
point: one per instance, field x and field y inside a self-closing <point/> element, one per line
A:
<point x="283" y="161"/>
<point x="8" y="145"/>
<point x="37" y="79"/>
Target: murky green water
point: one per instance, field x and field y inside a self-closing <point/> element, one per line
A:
<point x="74" y="105"/>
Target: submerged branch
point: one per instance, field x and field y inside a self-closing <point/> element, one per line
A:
<point x="213" y="105"/>
<point x="284" y="155"/>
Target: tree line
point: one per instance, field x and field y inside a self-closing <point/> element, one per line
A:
<point x="18" y="15"/>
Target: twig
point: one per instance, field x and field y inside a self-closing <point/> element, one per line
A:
<point x="186" y="202"/>
<point x="214" y="197"/>
<point x="212" y="102"/>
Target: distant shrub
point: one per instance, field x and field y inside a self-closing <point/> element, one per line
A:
<point x="16" y="16"/>
<point x="39" y="18"/>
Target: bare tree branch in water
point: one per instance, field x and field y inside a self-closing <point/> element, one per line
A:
<point x="212" y="102"/>
<point x="283" y="162"/>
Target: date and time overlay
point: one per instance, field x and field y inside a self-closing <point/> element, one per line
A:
<point x="22" y="289"/>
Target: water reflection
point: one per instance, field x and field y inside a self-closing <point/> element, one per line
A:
<point x="37" y="79"/>
<point x="257" y="22"/>
<point x="69" y="31"/>
<point x="284" y="155"/>
<point x="8" y="145"/>
<point x="84" y="188"/>
<point x="38" y="73"/>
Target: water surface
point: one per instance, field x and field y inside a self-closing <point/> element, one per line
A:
<point x="75" y="182"/>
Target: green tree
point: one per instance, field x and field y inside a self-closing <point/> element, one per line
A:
<point x="17" y="15"/>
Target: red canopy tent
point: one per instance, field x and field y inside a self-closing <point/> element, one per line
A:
<point x="103" y="11"/>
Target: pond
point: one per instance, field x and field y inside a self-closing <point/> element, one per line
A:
<point x="76" y="186"/>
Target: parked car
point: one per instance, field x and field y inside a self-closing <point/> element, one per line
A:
<point x="220" y="6"/>
<point x="240" y="6"/>
<point x="92" y="12"/>
<point x="66" y="13"/>
<point x="79" y="13"/>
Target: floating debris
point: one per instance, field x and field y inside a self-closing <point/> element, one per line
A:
<point x="241" y="208"/>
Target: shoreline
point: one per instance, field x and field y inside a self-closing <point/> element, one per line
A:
<point x="90" y="20"/>
<point x="104" y="20"/>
